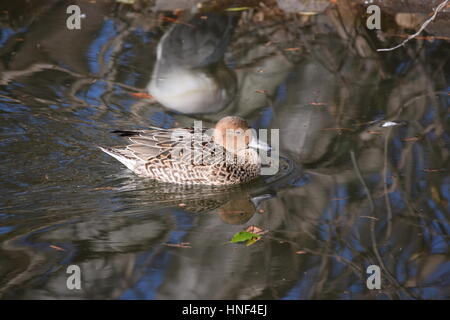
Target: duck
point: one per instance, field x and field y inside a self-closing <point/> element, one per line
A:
<point x="224" y="155"/>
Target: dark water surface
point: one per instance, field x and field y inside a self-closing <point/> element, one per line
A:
<point x="349" y="194"/>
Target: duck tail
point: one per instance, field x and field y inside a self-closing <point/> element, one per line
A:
<point x="126" y="133"/>
<point x="122" y="155"/>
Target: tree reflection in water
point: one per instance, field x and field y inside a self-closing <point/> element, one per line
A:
<point x="360" y="194"/>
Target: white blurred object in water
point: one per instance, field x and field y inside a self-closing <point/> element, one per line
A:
<point x="190" y="75"/>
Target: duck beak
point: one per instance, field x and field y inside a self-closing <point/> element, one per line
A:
<point x="258" y="144"/>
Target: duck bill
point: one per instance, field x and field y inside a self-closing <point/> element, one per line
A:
<point x="258" y="144"/>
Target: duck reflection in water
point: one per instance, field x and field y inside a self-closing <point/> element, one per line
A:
<point x="236" y="210"/>
<point x="190" y="75"/>
<point x="232" y="204"/>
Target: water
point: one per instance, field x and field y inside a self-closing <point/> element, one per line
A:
<point x="349" y="194"/>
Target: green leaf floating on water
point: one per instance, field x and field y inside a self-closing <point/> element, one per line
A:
<point x="252" y="241"/>
<point x="242" y="236"/>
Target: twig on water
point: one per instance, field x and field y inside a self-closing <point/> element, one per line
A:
<point x="373" y="220"/>
<point x="424" y="25"/>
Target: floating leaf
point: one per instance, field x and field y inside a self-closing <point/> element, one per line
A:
<point x="369" y="217"/>
<point x="256" y="230"/>
<point x="178" y="245"/>
<point x="141" y="95"/>
<point x="238" y="9"/>
<point x="252" y="241"/>
<point x="244" y="236"/>
<point x="169" y="19"/>
<point x="56" y="247"/>
<point x="104" y="188"/>
<point x="411" y="139"/>
<point x="249" y="236"/>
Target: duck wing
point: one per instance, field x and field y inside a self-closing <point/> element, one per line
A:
<point x="179" y="145"/>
